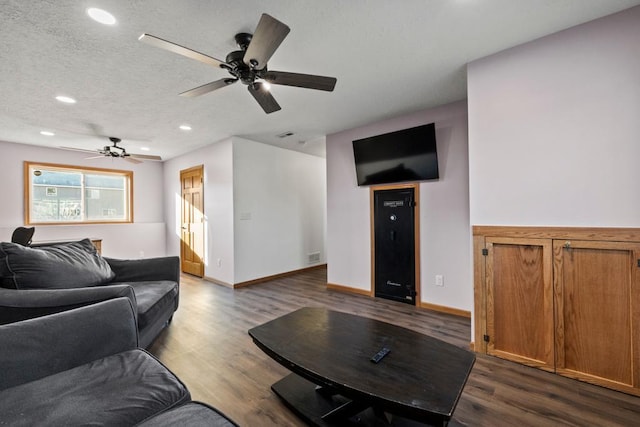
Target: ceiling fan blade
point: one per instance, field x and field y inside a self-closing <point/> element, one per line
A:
<point x="209" y="87"/>
<point x="180" y="50"/>
<point x="94" y="157"/>
<point x="264" y="97"/>
<point x="145" y="157"/>
<point x="78" y="149"/>
<point x="308" y="81"/>
<point x="267" y="37"/>
<point x="130" y="160"/>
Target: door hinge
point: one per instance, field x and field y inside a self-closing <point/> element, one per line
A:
<point x="485" y="338"/>
<point x="485" y="251"/>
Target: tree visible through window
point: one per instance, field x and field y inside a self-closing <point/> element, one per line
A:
<point x="68" y="194"/>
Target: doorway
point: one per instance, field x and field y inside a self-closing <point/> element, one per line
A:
<point x="395" y="242"/>
<point x="192" y="221"/>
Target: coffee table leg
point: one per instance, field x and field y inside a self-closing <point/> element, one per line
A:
<point x="323" y="407"/>
<point x="346" y="410"/>
<point x="387" y="417"/>
<point x="325" y="391"/>
<point x="302" y="398"/>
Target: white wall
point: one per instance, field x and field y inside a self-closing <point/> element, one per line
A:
<point x="264" y="208"/>
<point x="554" y="129"/>
<point x="445" y="237"/>
<point x="280" y="209"/>
<point x="218" y="205"/>
<point x="143" y="238"/>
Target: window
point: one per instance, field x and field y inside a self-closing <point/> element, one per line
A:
<point x="59" y="194"/>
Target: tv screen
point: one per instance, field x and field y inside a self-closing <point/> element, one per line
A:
<point x="404" y="155"/>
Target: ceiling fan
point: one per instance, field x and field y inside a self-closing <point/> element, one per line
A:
<point x="249" y="64"/>
<point x="114" y="150"/>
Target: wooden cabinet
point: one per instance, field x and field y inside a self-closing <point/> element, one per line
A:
<point x="520" y="301"/>
<point x="561" y="299"/>
<point x="597" y="298"/>
<point x="98" y="244"/>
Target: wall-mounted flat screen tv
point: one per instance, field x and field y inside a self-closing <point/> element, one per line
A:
<point x="404" y="155"/>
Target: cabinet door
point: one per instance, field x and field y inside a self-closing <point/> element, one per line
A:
<point x="520" y="300"/>
<point x="597" y="299"/>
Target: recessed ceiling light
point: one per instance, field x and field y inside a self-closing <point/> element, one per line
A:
<point x="101" y="16"/>
<point x="46" y="133"/>
<point x="145" y="148"/>
<point x="66" y="99"/>
<point x="185" y="127"/>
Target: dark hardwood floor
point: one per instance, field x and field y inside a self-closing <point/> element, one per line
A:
<point x="208" y="347"/>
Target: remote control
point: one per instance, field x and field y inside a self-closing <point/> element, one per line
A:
<point x="379" y="355"/>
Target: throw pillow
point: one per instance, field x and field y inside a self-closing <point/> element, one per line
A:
<point x="59" y="266"/>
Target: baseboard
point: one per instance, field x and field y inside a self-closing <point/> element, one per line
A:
<point x="426" y="305"/>
<point x="218" y="282"/>
<point x="277" y="276"/>
<point x="339" y="288"/>
<point x="445" y="309"/>
<point x="348" y="289"/>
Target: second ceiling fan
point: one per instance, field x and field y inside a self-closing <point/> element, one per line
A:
<point x="249" y="64"/>
<point x="115" y="151"/>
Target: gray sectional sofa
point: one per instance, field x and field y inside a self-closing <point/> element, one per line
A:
<point x="36" y="281"/>
<point x="83" y="367"/>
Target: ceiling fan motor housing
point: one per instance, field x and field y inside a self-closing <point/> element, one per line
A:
<point x="235" y="64"/>
<point x="243" y="40"/>
<point x="107" y="149"/>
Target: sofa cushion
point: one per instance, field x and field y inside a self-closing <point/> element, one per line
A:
<point x="63" y="265"/>
<point x="152" y="297"/>
<point x="118" y="390"/>
<point x="192" y="414"/>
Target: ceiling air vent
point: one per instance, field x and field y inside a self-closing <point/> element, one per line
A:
<point x="285" y="134"/>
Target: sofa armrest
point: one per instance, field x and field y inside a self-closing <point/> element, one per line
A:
<point x="44" y="346"/>
<point x="138" y="270"/>
<point x="16" y="305"/>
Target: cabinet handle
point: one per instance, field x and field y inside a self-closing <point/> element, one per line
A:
<point x="567" y="245"/>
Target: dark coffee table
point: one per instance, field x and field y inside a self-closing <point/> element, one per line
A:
<point x="334" y="382"/>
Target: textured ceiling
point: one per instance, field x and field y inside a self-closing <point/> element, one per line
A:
<point x="390" y="58"/>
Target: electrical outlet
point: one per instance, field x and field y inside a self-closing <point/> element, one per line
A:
<point x="439" y="280"/>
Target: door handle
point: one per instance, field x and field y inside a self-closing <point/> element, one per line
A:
<point x="393" y="235"/>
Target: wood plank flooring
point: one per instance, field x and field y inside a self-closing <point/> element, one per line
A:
<point x="208" y="348"/>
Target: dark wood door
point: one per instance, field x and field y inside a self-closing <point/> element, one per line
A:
<point x="192" y="232"/>
<point x="394" y="244"/>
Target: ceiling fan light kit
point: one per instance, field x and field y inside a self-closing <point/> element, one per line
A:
<point x="249" y="64"/>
